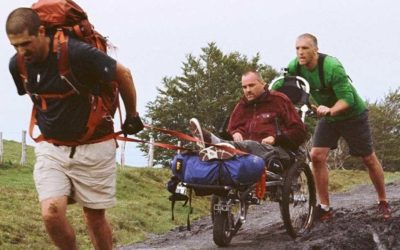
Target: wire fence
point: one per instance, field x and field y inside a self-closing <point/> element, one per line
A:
<point x="22" y="160"/>
<point x="121" y="153"/>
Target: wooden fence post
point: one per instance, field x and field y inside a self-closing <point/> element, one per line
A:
<point x="1" y="148"/>
<point x="23" y="150"/>
<point x="150" y="162"/>
<point x="123" y="154"/>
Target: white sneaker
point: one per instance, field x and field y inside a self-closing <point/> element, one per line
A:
<point x="213" y="153"/>
<point x="197" y="132"/>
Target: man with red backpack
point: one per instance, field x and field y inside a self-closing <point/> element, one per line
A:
<point x="75" y="154"/>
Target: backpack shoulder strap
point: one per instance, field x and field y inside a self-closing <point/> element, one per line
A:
<point x="321" y="58"/>
<point x="23" y="74"/>
<point x="298" y="71"/>
<point x="60" y="46"/>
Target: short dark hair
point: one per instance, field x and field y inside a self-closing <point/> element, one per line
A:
<point x="22" y="19"/>
<point x="248" y="71"/>
<point x="311" y="36"/>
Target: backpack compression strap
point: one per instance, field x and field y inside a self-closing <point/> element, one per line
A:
<point x="321" y="58"/>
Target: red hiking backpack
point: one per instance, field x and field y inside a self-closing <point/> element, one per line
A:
<point x="65" y="18"/>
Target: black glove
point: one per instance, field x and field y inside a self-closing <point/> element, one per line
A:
<point x="132" y="125"/>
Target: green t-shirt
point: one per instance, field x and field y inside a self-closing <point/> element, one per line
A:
<point x="337" y="87"/>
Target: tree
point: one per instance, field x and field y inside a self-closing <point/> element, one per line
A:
<point x="208" y="89"/>
<point x="338" y="156"/>
<point x="385" y="126"/>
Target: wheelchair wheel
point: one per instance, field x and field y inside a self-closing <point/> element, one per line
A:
<point x="223" y="228"/>
<point x="214" y="200"/>
<point x="225" y="223"/>
<point x="298" y="199"/>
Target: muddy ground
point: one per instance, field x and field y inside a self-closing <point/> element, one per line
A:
<point x="355" y="225"/>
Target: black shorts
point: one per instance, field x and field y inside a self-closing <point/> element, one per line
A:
<point x="355" y="131"/>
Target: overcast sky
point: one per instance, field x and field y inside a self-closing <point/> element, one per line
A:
<point x="154" y="37"/>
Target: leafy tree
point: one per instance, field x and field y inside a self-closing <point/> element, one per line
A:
<point x="385" y="126"/>
<point x="208" y="89"/>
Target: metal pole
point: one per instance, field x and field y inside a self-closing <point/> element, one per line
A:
<point x="179" y="145"/>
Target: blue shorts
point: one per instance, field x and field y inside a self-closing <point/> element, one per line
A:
<point x="355" y="131"/>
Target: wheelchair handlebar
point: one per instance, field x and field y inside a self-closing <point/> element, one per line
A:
<point x="298" y="78"/>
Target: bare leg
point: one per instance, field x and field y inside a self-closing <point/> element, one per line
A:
<point x="321" y="173"/>
<point x="99" y="230"/>
<point x="375" y="171"/>
<point x="57" y="226"/>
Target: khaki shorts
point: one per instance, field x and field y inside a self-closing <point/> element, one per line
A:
<point x="88" y="178"/>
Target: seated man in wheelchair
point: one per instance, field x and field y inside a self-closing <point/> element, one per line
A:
<point x="261" y="120"/>
<point x="266" y="124"/>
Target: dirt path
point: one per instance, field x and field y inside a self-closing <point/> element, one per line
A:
<point x="354" y="226"/>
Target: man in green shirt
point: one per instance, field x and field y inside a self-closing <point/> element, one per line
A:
<point x="343" y="114"/>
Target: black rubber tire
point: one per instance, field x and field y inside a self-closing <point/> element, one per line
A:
<point x="222" y="232"/>
<point x="298" y="201"/>
<point x="238" y="223"/>
<point x="213" y="200"/>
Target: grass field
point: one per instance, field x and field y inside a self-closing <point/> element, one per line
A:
<point x="142" y="205"/>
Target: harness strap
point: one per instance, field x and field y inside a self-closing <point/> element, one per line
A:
<point x="172" y="209"/>
<point x="173" y="133"/>
<point x="22" y="70"/>
<point x="43" y="97"/>
<point x="321" y="58"/>
<point x="32" y="124"/>
<point x="193" y="139"/>
<point x="60" y="46"/>
<point x="72" y="153"/>
<point x="77" y="30"/>
<point x="190" y="210"/>
<point x="97" y="109"/>
<point x="158" y="144"/>
<point x="261" y="186"/>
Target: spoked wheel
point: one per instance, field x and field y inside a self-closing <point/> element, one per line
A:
<point x="225" y="223"/>
<point x="298" y="199"/>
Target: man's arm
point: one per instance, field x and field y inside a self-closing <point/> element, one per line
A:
<point x="293" y="129"/>
<point x="339" y="107"/>
<point x="127" y="89"/>
<point x="236" y="125"/>
<point x="132" y="123"/>
<point x="343" y="90"/>
<point x="237" y="136"/>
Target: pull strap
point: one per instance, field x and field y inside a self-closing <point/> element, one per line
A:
<point x="190" y="210"/>
<point x="193" y="139"/>
<point x="261" y="186"/>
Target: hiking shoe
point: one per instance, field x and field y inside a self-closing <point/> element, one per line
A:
<point x="384" y="210"/>
<point x="322" y="215"/>
<point x="202" y="135"/>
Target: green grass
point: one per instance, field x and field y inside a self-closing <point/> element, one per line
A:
<point x="343" y="180"/>
<point x="142" y="206"/>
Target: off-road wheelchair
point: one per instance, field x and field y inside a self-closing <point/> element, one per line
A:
<point x="286" y="178"/>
